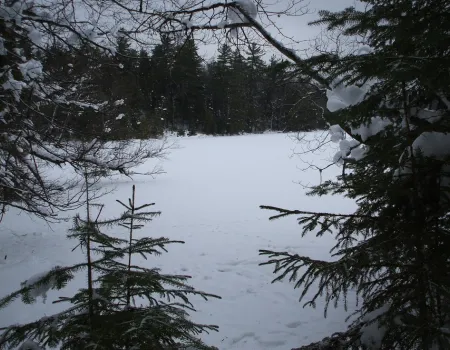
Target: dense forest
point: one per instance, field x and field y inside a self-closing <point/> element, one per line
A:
<point x="173" y="88"/>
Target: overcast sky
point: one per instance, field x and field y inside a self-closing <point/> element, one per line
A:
<point x="296" y="27"/>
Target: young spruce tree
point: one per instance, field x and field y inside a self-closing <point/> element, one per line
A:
<point x="124" y="305"/>
<point x="390" y="104"/>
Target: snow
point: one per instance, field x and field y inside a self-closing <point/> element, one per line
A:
<point x="346" y="146"/>
<point x="29" y="345"/>
<point x="430" y="116"/>
<point x="248" y="6"/>
<point x="3" y="50"/>
<point x="209" y="197"/>
<point x="120" y="116"/>
<point x="41" y="289"/>
<point x="221" y="24"/>
<point x="372" y="333"/>
<point x="364" y="50"/>
<point x="187" y="23"/>
<point x="235" y="16"/>
<point x="15" y="86"/>
<point x="358" y="153"/>
<point x="336" y="133"/>
<point x="341" y="96"/>
<point x="13" y="12"/>
<point x="31" y="69"/>
<point x="3" y="114"/>
<point x="35" y="36"/>
<point x="376" y="125"/>
<point x="433" y="144"/>
<point x="119" y="102"/>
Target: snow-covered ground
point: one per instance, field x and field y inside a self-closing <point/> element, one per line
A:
<point x="209" y="197"/>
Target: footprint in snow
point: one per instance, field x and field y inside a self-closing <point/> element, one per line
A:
<point x="224" y="270"/>
<point x="294" y="324"/>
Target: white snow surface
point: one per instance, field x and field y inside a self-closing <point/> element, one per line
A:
<point x="209" y="197"/>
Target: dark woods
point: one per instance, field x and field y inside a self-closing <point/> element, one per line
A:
<point x="173" y="88"/>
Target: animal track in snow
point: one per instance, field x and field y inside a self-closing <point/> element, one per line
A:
<point x="294" y="324"/>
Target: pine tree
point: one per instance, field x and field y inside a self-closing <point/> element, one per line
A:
<point x="391" y="103"/>
<point x="124" y="305"/>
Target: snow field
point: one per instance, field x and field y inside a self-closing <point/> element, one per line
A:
<point x="209" y="197"/>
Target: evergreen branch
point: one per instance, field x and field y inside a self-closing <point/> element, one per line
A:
<point x="55" y="279"/>
<point x="333" y="277"/>
<point x="287" y="212"/>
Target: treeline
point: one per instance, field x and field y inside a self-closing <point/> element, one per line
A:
<point x="141" y="94"/>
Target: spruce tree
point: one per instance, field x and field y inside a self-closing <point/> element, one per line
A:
<point x="390" y="104"/>
<point x="237" y="121"/>
<point x="163" y="89"/>
<point x="124" y="305"/>
<point x="220" y="79"/>
<point x="254" y="76"/>
<point x="187" y="77"/>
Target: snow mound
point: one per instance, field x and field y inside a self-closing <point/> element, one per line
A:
<point x="31" y="69"/>
<point x="336" y="133"/>
<point x="433" y="144"/>
<point x="375" y="126"/>
<point x="341" y="96"/>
